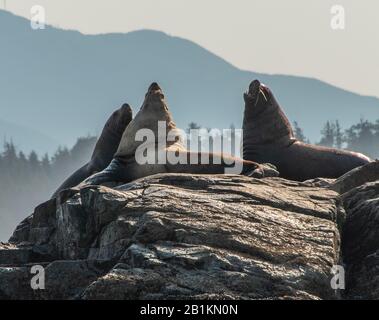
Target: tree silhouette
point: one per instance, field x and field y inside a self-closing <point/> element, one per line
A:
<point x="327" y="135"/>
<point x="26" y="181"/>
<point x="192" y="126"/>
<point x="362" y="137"/>
<point x="338" y="135"/>
<point x="298" y="132"/>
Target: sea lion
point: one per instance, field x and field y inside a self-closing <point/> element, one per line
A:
<point x="126" y="165"/>
<point x="268" y="137"/>
<point x="105" y="148"/>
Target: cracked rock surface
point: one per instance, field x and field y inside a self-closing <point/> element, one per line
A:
<point x="361" y="241"/>
<point x="178" y="236"/>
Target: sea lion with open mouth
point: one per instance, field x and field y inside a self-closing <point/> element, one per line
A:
<point x="268" y="138"/>
<point x="105" y="148"/>
<point x="126" y="165"/>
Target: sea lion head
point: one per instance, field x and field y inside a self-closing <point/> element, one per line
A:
<point x="154" y="108"/>
<point x="119" y="120"/>
<point x="153" y="114"/>
<point x="264" y="119"/>
<point x="110" y="137"/>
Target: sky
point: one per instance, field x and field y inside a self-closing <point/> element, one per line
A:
<point x="292" y="37"/>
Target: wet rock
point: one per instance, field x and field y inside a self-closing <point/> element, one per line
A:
<point x="189" y="236"/>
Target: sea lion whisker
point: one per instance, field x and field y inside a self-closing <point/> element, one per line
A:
<point x="263" y="93"/>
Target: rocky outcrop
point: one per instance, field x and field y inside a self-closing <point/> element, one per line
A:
<point x="356" y="178"/>
<point x="179" y="236"/>
<point x="359" y="191"/>
<point x="361" y="241"/>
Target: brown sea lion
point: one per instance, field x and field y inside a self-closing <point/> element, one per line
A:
<point x="268" y="137"/>
<point x="128" y="165"/>
<point x="105" y="148"/>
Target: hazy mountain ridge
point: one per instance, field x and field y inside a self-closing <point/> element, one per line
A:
<point x="25" y="138"/>
<point x="65" y="84"/>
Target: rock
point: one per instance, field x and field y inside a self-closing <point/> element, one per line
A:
<point x="13" y="255"/>
<point x="357" y="177"/>
<point x="15" y="283"/>
<point x="361" y="240"/>
<point x="68" y="279"/>
<point x="361" y="230"/>
<point x="364" y="278"/>
<point x="21" y="234"/>
<point x="173" y="236"/>
<point x="63" y="279"/>
<point x="320" y="182"/>
<point x="120" y="284"/>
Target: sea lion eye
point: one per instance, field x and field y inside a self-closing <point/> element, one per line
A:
<point x="161" y="96"/>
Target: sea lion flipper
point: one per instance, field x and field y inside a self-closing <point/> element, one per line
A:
<point x="197" y="163"/>
<point x="265" y="170"/>
<point x="77" y="177"/>
<point x="219" y="164"/>
<point x="115" y="172"/>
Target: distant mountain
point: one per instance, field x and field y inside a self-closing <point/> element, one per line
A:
<point x="65" y="84"/>
<point x="26" y="139"/>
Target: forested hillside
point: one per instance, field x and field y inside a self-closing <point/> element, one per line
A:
<point x="28" y="180"/>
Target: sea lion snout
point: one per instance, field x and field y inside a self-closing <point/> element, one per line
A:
<point x="154" y="91"/>
<point x="154" y="99"/>
<point x="252" y="95"/>
<point x="254" y="87"/>
<point x="120" y="119"/>
<point x="154" y="87"/>
<point x="154" y="95"/>
<point x="126" y="115"/>
<point x="125" y="108"/>
<point x="257" y="91"/>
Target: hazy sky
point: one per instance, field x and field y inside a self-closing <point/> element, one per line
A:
<point x="271" y="36"/>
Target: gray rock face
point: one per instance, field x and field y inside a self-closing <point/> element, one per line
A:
<point x="180" y="236"/>
<point x="357" y="177"/>
<point x="361" y="240"/>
